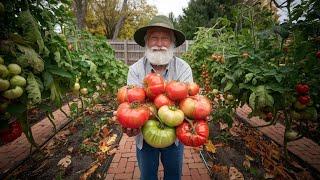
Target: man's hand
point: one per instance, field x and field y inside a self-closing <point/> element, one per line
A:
<point x="130" y="132"/>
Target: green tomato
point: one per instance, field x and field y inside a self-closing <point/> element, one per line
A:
<point x="230" y="97"/>
<point x="158" y="135"/>
<point x="299" y="106"/>
<point x="310" y="114"/>
<point x="215" y="91"/>
<point x="76" y="87"/>
<point x="14" y="69"/>
<point x="4" y="84"/>
<point x="291" y="135"/>
<point x="3" y="106"/>
<point x="13" y="93"/>
<point x="18" y="80"/>
<point x="1" y="60"/>
<point x="3" y="71"/>
<point x="84" y="91"/>
<point x="171" y="115"/>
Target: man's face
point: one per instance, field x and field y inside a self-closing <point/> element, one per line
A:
<point x="159" y="46"/>
<point x="159" y="37"/>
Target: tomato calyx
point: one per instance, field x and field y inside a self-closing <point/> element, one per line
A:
<point x="193" y="128"/>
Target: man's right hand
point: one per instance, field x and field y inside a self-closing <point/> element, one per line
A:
<point x="130" y="132"/>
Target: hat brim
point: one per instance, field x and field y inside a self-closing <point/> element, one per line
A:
<point x="140" y="34"/>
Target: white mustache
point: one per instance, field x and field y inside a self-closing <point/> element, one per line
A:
<point x="159" y="48"/>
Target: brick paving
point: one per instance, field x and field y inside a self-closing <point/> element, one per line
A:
<point x="303" y="148"/>
<point x="124" y="164"/>
<point x="16" y="151"/>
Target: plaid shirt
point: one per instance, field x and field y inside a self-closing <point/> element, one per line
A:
<point x="177" y="69"/>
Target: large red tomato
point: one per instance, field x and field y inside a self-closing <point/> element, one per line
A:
<point x="13" y="132"/>
<point x="132" y="115"/>
<point x="176" y="90"/>
<point x="131" y="94"/>
<point x="193" y="89"/>
<point x="153" y="85"/>
<point x="196" y="107"/>
<point x="194" y="133"/>
<point x="162" y="100"/>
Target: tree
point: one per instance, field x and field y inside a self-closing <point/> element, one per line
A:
<point x="80" y="9"/>
<point x="108" y="17"/>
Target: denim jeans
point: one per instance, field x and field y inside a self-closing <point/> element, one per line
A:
<point x="171" y="159"/>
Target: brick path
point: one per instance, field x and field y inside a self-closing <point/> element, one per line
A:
<point x="16" y="151"/>
<point x="124" y="164"/>
<point x="304" y="148"/>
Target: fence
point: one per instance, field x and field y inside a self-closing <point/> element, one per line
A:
<point x="130" y="51"/>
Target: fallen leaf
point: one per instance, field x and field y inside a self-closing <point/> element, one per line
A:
<point x="268" y="175"/>
<point x="210" y="147"/>
<point x="112" y="139"/>
<point x="223" y="125"/>
<point x="103" y="146"/>
<point x="105" y="131"/>
<point x="70" y="149"/>
<point x="220" y="169"/>
<point x="65" y="162"/>
<point x="248" y="158"/>
<point x="246" y="164"/>
<point x="235" y="174"/>
<point x="92" y="169"/>
<point x="112" y="151"/>
<point x="234" y="131"/>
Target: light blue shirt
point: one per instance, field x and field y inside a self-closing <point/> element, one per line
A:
<point x="177" y="69"/>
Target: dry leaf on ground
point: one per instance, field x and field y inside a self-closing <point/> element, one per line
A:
<point x="223" y="125"/>
<point x="210" y="147"/>
<point x="220" y="169"/>
<point x="70" y="149"/>
<point x="246" y="164"/>
<point x="235" y="174"/>
<point x="65" y="162"/>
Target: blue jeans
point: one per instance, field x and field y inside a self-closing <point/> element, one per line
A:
<point x="171" y="158"/>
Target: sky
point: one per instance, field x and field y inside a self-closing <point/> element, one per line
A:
<point x="166" y="6"/>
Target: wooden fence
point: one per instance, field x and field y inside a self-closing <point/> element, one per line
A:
<point x="130" y="51"/>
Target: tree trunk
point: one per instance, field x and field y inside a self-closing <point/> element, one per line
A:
<point x="121" y="20"/>
<point x="80" y="9"/>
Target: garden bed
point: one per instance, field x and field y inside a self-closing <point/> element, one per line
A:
<point x="243" y="152"/>
<point x="83" y="149"/>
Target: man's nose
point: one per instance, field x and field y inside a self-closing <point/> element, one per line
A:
<point x="159" y="43"/>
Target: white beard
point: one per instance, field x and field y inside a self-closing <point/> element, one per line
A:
<point x="161" y="57"/>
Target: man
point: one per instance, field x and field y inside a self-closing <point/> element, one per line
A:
<point x="159" y="38"/>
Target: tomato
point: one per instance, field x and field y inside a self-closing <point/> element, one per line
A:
<point x="215" y="91"/>
<point x="14" y="69"/>
<point x="162" y="100"/>
<point x="17" y="80"/>
<point x="158" y="135"/>
<point x="196" y="107"/>
<point x="291" y="135"/>
<point x="304" y="99"/>
<point x="318" y="54"/>
<point x="153" y="110"/>
<point x="193" y="89"/>
<point x="153" y="85"/>
<point x="302" y="88"/>
<point x="299" y="106"/>
<point x="132" y="115"/>
<point x="230" y="97"/>
<point x="171" y="115"/>
<point x="13" y="93"/>
<point x="131" y="94"/>
<point x="84" y="91"/>
<point x="194" y="133"/>
<point x="4" y="84"/>
<point x="3" y="71"/>
<point x="176" y="90"/>
<point x="76" y="87"/>
<point x="13" y="132"/>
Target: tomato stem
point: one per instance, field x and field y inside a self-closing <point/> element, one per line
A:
<point x="193" y="129"/>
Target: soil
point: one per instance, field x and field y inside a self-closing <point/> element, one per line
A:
<point x="70" y="141"/>
<point x="232" y="151"/>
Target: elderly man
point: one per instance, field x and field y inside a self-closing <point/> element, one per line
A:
<point x="159" y="39"/>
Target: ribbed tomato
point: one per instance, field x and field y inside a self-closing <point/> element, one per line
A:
<point x="196" y="107"/>
<point x="170" y="115"/>
<point x="193" y="133"/>
<point x="153" y="85"/>
<point x="193" y="89"/>
<point x="176" y="91"/>
<point x="132" y="115"/>
<point x="162" y="100"/>
<point x="131" y="94"/>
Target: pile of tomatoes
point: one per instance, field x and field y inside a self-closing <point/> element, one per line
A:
<point x="165" y="111"/>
